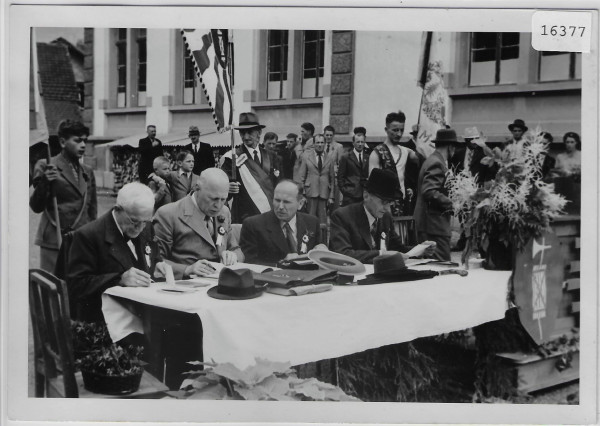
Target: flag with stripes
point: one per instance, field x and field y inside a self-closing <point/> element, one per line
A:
<point x="209" y="51"/>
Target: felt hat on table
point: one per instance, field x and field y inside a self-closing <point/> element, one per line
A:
<point x="518" y="123"/>
<point x="248" y="120"/>
<point x="387" y="265"/>
<point x="235" y="284"/>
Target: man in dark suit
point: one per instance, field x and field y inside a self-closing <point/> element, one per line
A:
<point x="149" y="148"/>
<point x="353" y="171"/>
<point x="203" y="153"/>
<point x="283" y="232"/>
<point x="434" y="209"/>
<point x="366" y="230"/>
<point x="116" y="249"/>
<point x="257" y="171"/>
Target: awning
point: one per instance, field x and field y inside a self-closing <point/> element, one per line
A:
<point x="216" y="140"/>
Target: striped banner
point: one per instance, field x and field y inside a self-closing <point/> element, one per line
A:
<point x="209" y="51"/>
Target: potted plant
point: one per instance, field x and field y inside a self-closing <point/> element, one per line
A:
<point x="88" y="337"/>
<point x="502" y="215"/>
<point x="112" y="370"/>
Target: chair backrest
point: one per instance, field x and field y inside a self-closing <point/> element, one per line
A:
<point x="324" y="234"/>
<point x="48" y="306"/>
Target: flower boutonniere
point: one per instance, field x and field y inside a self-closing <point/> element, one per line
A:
<point x="220" y="234"/>
<point x="305" y="239"/>
<point x="147" y="254"/>
<point x="276" y="173"/>
<point x="382" y="245"/>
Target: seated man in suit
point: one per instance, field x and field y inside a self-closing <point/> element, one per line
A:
<point x="197" y="228"/>
<point x="283" y="232"/>
<point x="158" y="182"/>
<point x="184" y="181"/>
<point x="366" y="230"/>
<point x="115" y="249"/>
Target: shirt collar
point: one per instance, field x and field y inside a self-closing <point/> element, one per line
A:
<point x="370" y="217"/>
<point x="182" y="172"/>
<point x="202" y="215"/>
<point x="292" y="222"/>
<point x="357" y="153"/>
<point x="117" y="223"/>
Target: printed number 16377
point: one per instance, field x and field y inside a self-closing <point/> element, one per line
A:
<point x="562" y="31"/>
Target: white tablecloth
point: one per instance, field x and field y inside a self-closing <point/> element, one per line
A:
<point x="345" y="320"/>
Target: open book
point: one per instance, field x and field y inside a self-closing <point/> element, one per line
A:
<point x="417" y="250"/>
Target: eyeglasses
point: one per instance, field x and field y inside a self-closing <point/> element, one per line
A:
<point x="135" y="223"/>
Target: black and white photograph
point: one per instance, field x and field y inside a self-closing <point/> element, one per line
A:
<point x="358" y="214"/>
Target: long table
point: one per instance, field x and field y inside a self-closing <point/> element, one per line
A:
<point x="303" y="329"/>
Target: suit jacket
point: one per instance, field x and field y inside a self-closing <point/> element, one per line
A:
<point x="204" y="159"/>
<point x="98" y="256"/>
<point x="270" y="165"/>
<point x="351" y="176"/>
<point x="162" y="194"/>
<point x="317" y="183"/>
<point x="179" y="187"/>
<point x="298" y="156"/>
<point x="434" y="208"/>
<point x="351" y="233"/>
<point x="262" y="239"/>
<point x="147" y="155"/>
<point x="70" y="196"/>
<point x="183" y="237"/>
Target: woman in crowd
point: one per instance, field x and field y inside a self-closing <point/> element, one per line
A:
<point x="569" y="162"/>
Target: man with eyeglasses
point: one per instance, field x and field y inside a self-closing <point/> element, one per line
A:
<point x="116" y="249"/>
<point x="365" y="230"/>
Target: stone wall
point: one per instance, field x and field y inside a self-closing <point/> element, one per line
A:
<point x="342" y="73"/>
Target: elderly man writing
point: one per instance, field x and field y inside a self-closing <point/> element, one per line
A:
<point x="197" y="228"/>
<point x="282" y="232"/>
<point x="116" y="249"/>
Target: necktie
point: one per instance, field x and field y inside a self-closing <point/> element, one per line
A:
<point x="209" y="226"/>
<point x="319" y="162"/>
<point x="75" y="172"/>
<point x="291" y="241"/>
<point x="360" y="159"/>
<point x="374" y="232"/>
<point x="256" y="159"/>
<point x="327" y="150"/>
<point x="195" y="148"/>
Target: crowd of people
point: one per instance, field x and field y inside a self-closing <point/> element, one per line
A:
<point x="265" y="202"/>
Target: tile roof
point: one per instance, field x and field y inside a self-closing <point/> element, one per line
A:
<point x="56" y="73"/>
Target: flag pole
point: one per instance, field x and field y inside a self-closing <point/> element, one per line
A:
<point x="233" y="154"/>
<point x="423" y="80"/>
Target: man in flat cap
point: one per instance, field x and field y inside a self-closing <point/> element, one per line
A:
<point x="203" y="153"/>
<point x="257" y="171"/>
<point x="434" y="209"/>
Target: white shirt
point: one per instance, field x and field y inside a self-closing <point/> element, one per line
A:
<point x="292" y="223"/>
<point x="129" y="242"/>
<point x="371" y="220"/>
<point x="187" y="174"/>
<point x="358" y="154"/>
<point x="257" y="150"/>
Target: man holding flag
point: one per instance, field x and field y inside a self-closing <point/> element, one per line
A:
<point x="257" y="171"/>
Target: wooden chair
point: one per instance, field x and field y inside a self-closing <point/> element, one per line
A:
<point x="54" y="362"/>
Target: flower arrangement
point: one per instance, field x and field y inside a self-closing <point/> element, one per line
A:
<point x="512" y="208"/>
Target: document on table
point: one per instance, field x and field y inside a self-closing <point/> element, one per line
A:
<point x="239" y="265"/>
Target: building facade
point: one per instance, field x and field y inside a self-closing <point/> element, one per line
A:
<point x="136" y="77"/>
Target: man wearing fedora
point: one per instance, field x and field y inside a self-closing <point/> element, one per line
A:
<point x="434" y="209"/>
<point x="365" y="230"/>
<point x="203" y="153"/>
<point x="257" y="171"/>
<point x="197" y="228"/>
<point x="283" y="232"/>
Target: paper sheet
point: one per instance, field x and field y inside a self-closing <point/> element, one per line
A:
<point x="240" y="265"/>
<point x="417" y="250"/>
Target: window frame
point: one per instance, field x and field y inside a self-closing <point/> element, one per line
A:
<point x="572" y="68"/>
<point x="497" y="60"/>
<point x="318" y="68"/>
<point x="284" y="62"/>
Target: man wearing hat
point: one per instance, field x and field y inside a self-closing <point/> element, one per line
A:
<point x="476" y="150"/>
<point x="257" y="171"/>
<point x="203" y="153"/>
<point x="197" y="228"/>
<point x="149" y="148"/>
<point x="365" y="230"/>
<point x="283" y="232"/>
<point x="518" y="129"/>
<point x="434" y="209"/>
